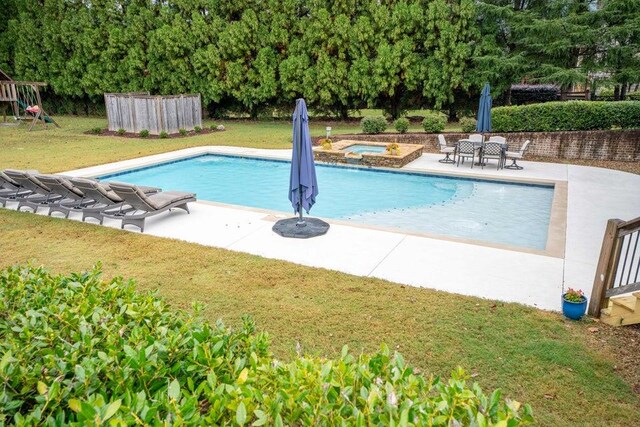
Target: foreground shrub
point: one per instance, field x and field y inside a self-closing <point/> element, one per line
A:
<point x="197" y="129"/>
<point x="96" y="131"/>
<point x="121" y="131"/>
<point x="144" y="133"/>
<point x="164" y="135"/>
<point x="401" y="125"/>
<point x="182" y="132"/>
<point x="468" y="124"/>
<point x="571" y="115"/>
<point x="76" y="349"/>
<point x="373" y="125"/>
<point x="434" y="121"/>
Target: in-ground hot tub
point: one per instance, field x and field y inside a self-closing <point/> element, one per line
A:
<point x="368" y="153"/>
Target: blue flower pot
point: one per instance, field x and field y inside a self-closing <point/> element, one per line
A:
<point x="574" y="310"/>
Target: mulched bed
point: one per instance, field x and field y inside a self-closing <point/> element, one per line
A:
<point x="106" y="132"/>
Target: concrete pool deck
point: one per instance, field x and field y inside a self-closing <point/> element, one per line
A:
<point x="593" y="196"/>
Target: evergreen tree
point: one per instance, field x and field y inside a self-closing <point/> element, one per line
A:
<point x="618" y="42"/>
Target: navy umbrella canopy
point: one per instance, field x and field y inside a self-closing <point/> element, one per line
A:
<point x="303" y="183"/>
<point x="483" y="123"/>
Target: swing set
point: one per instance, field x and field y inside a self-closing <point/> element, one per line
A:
<point x="23" y="99"/>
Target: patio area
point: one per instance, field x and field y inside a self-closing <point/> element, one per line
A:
<point x="594" y="195"/>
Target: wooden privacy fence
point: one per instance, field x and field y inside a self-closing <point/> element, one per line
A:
<point x="618" y="269"/>
<point x="135" y="112"/>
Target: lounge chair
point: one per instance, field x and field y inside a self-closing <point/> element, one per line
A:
<point x="104" y="199"/>
<point x="10" y="195"/>
<point x="444" y="149"/>
<point x="144" y="206"/>
<point x="7" y="183"/>
<point x="75" y="199"/>
<point x="467" y="149"/>
<point x="40" y="196"/>
<point x="493" y="150"/>
<point x="10" y="190"/>
<point x="516" y="155"/>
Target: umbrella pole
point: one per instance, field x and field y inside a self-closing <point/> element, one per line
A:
<point x="300" y="222"/>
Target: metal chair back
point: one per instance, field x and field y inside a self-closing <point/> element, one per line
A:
<point x="466" y="147"/>
<point x="492" y="148"/>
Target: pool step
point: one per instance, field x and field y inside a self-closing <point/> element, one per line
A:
<point x="622" y="310"/>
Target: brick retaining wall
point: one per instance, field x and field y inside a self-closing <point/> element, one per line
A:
<point x="621" y="145"/>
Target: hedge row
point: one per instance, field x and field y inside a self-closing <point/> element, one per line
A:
<point x="77" y="350"/>
<point x="572" y="115"/>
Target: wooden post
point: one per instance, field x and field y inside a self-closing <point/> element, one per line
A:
<point x="607" y="267"/>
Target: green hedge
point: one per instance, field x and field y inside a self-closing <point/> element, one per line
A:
<point x="401" y="125"/>
<point x="76" y="349"/>
<point x="434" y="121"/>
<point x="373" y="125"/>
<point x="571" y="115"/>
<point x="468" y="124"/>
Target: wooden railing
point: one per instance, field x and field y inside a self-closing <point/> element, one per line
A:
<point x="618" y="269"/>
<point x="575" y="95"/>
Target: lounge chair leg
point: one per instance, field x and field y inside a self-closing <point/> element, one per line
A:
<point x="184" y="207"/>
<point x="26" y="205"/>
<point x="139" y="222"/>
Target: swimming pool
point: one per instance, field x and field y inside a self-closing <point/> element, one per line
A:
<point x="490" y="211"/>
<point x="363" y="148"/>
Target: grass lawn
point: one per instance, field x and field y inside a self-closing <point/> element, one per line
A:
<point x="570" y="376"/>
<point x="56" y="150"/>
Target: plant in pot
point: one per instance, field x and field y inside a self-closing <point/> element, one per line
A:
<point x="574" y="304"/>
<point x="326" y="144"/>
<point x="393" y="149"/>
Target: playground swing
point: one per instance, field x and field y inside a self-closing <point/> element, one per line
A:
<point x="25" y="102"/>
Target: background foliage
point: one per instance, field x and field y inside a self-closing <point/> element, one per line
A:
<point x="257" y="56"/>
<point x="76" y="349"/>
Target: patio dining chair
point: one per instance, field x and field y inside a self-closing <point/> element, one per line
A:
<point x="445" y="149"/>
<point x="516" y="155"/>
<point x="493" y="150"/>
<point x="467" y="149"/>
<point x="498" y="139"/>
<point x="476" y="137"/>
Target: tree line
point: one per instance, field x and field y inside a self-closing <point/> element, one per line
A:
<point x="253" y="55"/>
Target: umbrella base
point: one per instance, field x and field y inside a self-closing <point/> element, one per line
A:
<point x="312" y="227"/>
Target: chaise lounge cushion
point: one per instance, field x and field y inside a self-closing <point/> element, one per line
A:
<point x="28" y="177"/>
<point x="166" y="198"/>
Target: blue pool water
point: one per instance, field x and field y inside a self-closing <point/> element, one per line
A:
<point x="499" y="212"/>
<point x="363" y="148"/>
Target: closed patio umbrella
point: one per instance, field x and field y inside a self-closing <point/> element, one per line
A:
<point x="303" y="184"/>
<point x="483" y="123"/>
